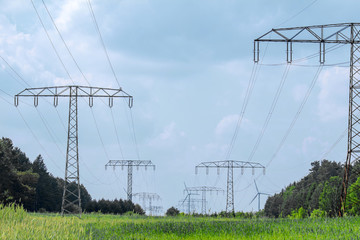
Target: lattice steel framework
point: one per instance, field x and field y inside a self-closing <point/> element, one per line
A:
<point x="343" y="33"/>
<point x="148" y="197"/>
<point x="229" y="165"/>
<point x="191" y="202"/>
<point x="204" y="190"/>
<point x="71" y="200"/>
<point x="130" y="164"/>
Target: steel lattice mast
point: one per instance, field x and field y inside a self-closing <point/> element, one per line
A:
<point x="130" y="164"/>
<point x="150" y="197"/>
<point x="342" y="33"/>
<point x="71" y="200"/>
<point x="204" y="190"/>
<point x="229" y="165"/>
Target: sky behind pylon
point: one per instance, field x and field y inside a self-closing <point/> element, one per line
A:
<point x="188" y="65"/>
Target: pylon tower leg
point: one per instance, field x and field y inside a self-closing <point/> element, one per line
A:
<point x="230" y="189"/>
<point x="71" y="201"/>
<point x="353" y="152"/>
<point x="130" y="179"/>
<point x="203" y="202"/>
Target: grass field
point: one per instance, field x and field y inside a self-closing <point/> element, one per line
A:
<point x="15" y="223"/>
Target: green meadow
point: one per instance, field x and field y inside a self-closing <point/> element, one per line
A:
<point x="16" y="223"/>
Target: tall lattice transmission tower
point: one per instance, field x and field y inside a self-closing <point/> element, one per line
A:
<point x="71" y="201"/>
<point x="130" y="164"/>
<point x="229" y="165"/>
<point x="342" y="33"/>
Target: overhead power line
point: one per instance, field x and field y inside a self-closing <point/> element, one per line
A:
<point x="102" y="40"/>
<point x="115" y="76"/>
<point x="296" y="117"/>
<point x="271" y="110"/>
<point x="297" y="14"/>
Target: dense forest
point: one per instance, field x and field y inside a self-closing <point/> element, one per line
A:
<point x="317" y="194"/>
<point x="31" y="185"/>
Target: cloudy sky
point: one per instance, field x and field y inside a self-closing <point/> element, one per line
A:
<point x="188" y="65"/>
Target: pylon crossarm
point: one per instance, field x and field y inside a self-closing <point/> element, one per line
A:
<point x="226" y="164"/>
<point x="126" y="163"/>
<point x="82" y="91"/>
<point x="153" y="196"/>
<point x="331" y="33"/>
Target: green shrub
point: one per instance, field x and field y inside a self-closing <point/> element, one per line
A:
<point x="318" y="213"/>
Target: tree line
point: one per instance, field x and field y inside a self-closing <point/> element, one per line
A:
<point x="31" y="185"/>
<point x="317" y="194"/>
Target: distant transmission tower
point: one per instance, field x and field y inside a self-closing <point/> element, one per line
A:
<point x="188" y="204"/>
<point x="148" y="197"/>
<point x="203" y="190"/>
<point x="71" y="201"/>
<point x="156" y="210"/>
<point x="130" y="164"/>
<point x="188" y="198"/>
<point x="342" y="33"/>
<point x="230" y="165"/>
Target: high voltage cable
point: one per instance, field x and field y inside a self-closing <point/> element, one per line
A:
<point x="37" y="140"/>
<point x="250" y="87"/>
<point x="113" y="71"/>
<point x="334" y="144"/>
<point x="51" y="134"/>
<point x="52" y="44"/>
<point x="243" y="109"/>
<point x="306" y="97"/>
<point x="343" y="134"/>
<point x="78" y="67"/>
<point x="54" y="48"/>
<point x="311" y="56"/>
<point x="310" y="65"/>
<point x="117" y="136"/>
<point x="297" y="14"/>
<point x="14" y="71"/>
<point x="271" y="110"/>
<point x="101" y="40"/>
<point x="102" y="142"/>
<point x="292" y="124"/>
<point x="134" y="135"/>
<point x="66" y="46"/>
<point x="45" y="124"/>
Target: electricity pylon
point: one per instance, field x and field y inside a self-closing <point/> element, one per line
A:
<point x="258" y="194"/>
<point x="130" y="164"/>
<point x="71" y="201"/>
<point x="204" y="190"/>
<point x="156" y="210"/>
<point x="188" y="198"/>
<point x="230" y="165"/>
<point x="190" y="204"/>
<point x="150" y="197"/>
<point x="342" y="33"/>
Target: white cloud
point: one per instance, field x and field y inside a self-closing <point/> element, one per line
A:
<point x="333" y="96"/>
<point x="307" y="144"/>
<point x="299" y="92"/>
<point x="169" y="136"/>
<point x="168" y="132"/>
<point x="228" y="124"/>
<point x="67" y="12"/>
